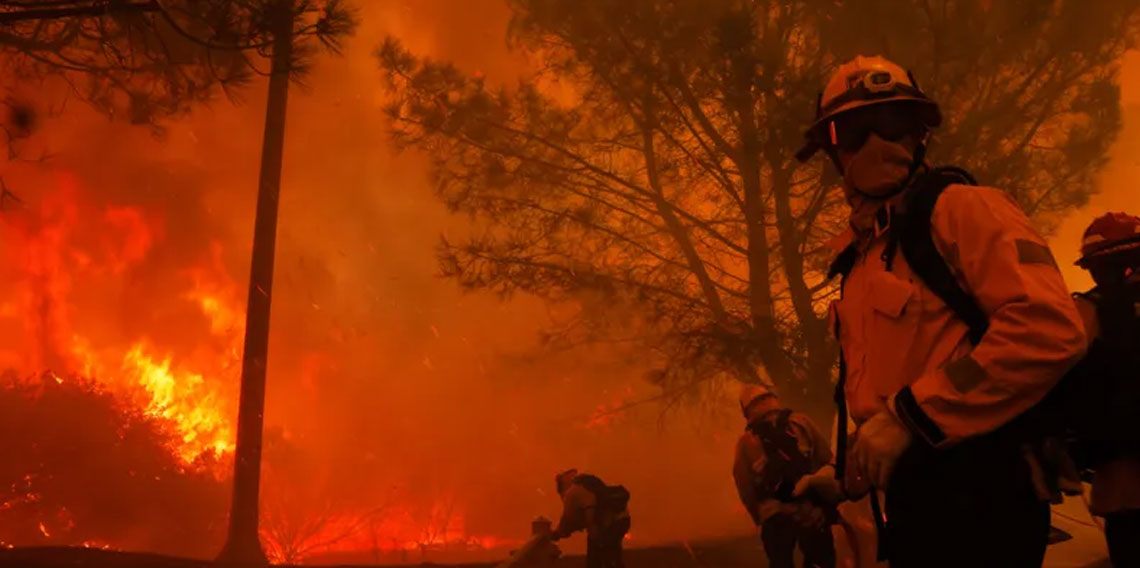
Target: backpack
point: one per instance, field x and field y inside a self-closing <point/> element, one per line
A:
<point x="612" y="499"/>
<point x="1098" y="401"/>
<point x="785" y="464"/>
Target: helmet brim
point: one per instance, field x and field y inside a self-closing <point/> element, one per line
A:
<point x="1126" y="245"/>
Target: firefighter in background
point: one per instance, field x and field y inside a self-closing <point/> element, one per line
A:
<point x="777" y="448"/>
<point x="601" y="510"/>
<point x="953" y="320"/>
<point x="1108" y="417"/>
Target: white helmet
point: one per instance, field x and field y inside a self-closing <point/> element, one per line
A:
<point x="750" y="393"/>
<point x="862" y="82"/>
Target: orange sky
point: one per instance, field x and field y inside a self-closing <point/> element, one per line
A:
<point x="1119" y="183"/>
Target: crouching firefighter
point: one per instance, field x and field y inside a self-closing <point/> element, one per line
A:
<point x="953" y="320"/>
<point x="601" y="510"/>
<point x="777" y="449"/>
<point x="1103" y="393"/>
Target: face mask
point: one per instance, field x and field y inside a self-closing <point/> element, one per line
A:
<point x="878" y="167"/>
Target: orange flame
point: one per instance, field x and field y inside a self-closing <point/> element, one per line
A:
<point x="67" y="240"/>
<point x="184" y="398"/>
<point x="62" y="255"/>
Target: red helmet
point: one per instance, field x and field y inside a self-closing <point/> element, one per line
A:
<point x="1109" y="234"/>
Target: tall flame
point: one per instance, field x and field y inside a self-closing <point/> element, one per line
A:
<point x="67" y="242"/>
<point x="184" y="398"/>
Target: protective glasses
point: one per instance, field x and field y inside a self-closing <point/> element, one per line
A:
<point x="890" y="121"/>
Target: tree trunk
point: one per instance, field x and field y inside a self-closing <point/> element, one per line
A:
<point x="813" y="390"/>
<point x="243" y="547"/>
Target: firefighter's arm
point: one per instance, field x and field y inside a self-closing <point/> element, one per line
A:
<point x="1035" y="333"/>
<point x="572" y="514"/>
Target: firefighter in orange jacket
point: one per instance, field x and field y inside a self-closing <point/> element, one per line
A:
<point x="778" y="447"/>
<point x="1110" y="251"/>
<point x="928" y="402"/>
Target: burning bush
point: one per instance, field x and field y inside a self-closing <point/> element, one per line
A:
<point x="83" y="468"/>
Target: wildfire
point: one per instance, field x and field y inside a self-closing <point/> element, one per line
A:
<point x="70" y="240"/>
<point x="78" y="301"/>
<point x="183" y="398"/>
<point x="391" y="530"/>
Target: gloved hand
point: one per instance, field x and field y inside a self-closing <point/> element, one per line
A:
<point x="822" y="484"/>
<point x="879" y="443"/>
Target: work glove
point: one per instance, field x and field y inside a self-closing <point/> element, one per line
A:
<point x="822" y="484"/>
<point x="879" y="443"/>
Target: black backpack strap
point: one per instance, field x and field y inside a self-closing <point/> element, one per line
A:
<point x="786" y="463"/>
<point x="770" y="426"/>
<point x="917" y="244"/>
<point x="842" y="266"/>
<point x="843" y="263"/>
<point x="773" y="432"/>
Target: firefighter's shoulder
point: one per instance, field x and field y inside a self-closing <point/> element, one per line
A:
<point x="961" y="197"/>
<point x="979" y="209"/>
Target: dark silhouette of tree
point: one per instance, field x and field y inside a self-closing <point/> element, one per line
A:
<point x="144" y="65"/>
<point x="645" y="172"/>
<point x="82" y="466"/>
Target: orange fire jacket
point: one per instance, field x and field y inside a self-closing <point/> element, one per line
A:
<point x="907" y="352"/>
<point x="750" y="461"/>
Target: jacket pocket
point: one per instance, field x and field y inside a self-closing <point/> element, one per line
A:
<point x="890" y="295"/>
<point x="893" y="328"/>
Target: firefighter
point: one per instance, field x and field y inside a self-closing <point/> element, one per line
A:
<point x="777" y="448"/>
<point x="601" y="510"/>
<point x="953" y="320"/>
<point x="1110" y="435"/>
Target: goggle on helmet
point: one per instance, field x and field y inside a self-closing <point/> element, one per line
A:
<point x="859" y="85"/>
